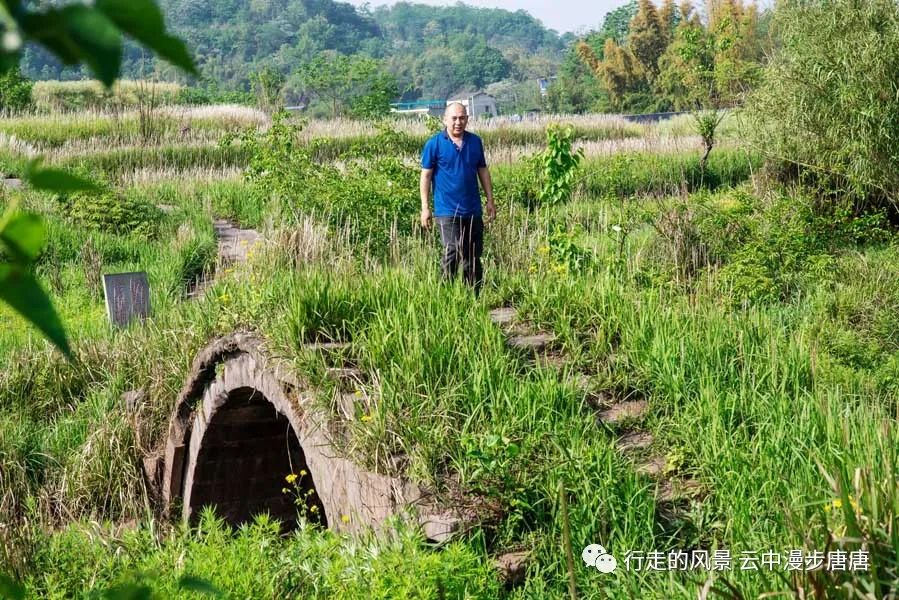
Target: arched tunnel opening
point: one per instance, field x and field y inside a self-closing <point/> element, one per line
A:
<point x="242" y="466"/>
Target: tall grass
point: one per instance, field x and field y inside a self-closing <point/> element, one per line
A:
<point x="80" y="95"/>
<point x="93" y="129"/>
<point x="771" y="406"/>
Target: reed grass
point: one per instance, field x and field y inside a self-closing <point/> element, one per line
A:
<point x="772" y="407"/>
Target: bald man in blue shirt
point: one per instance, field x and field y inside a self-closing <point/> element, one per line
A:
<point x="452" y="163"/>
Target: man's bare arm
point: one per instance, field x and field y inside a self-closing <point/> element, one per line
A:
<point x="424" y="188"/>
<point x="487" y="184"/>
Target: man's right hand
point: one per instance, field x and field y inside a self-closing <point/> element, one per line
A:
<point x="426" y="218"/>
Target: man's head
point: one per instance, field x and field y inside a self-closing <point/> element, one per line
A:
<point x="455" y="117"/>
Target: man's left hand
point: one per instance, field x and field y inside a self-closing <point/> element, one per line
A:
<point x="491" y="211"/>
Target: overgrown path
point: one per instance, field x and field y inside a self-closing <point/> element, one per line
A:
<point x="234" y="244"/>
<point x="621" y="415"/>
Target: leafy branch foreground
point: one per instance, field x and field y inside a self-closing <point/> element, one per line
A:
<point x="75" y="34"/>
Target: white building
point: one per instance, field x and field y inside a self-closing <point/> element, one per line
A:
<point x="478" y="104"/>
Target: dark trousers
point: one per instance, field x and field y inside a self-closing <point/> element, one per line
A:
<point x="463" y="243"/>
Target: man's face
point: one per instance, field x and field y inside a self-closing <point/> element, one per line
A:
<point x="455" y="119"/>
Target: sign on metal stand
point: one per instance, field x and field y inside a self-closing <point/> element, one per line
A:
<point x="127" y="297"/>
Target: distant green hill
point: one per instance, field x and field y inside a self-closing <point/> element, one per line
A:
<point x="433" y="51"/>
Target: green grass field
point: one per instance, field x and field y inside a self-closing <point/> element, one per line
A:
<point x="761" y="335"/>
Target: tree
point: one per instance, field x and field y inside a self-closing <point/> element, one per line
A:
<point x="668" y="19"/>
<point x="480" y="64"/>
<point x="827" y="105"/>
<point x="647" y="39"/>
<point x="374" y="102"/>
<point x="75" y="34"/>
<point x="355" y="84"/>
<point x="15" y="91"/>
<point x="621" y="73"/>
<point x="706" y="70"/>
<point x="268" y="86"/>
<point x="616" y="23"/>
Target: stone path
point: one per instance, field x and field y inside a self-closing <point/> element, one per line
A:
<point x="234" y="245"/>
<point x="622" y="416"/>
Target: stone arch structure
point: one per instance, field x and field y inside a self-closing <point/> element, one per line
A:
<point x="242" y="422"/>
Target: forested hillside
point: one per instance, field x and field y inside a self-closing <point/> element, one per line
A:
<point x="432" y="51"/>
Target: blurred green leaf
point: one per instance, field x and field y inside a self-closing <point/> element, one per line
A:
<point x="20" y="289"/>
<point x="24" y="236"/>
<point x="143" y="20"/>
<point x="10" y="589"/>
<point x="91" y="33"/>
<point x="201" y="586"/>
<point x="55" y="180"/>
<point x="78" y="33"/>
<point x="99" y="40"/>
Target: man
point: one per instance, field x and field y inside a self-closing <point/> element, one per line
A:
<point x="453" y="161"/>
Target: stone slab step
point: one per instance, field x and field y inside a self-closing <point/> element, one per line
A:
<point x="624" y="411"/>
<point x="513" y="566"/>
<point x="652" y="466"/>
<point x="234" y="243"/>
<point x="503" y="315"/>
<point x="441" y="527"/>
<point x="347" y="377"/>
<point x="346" y="405"/>
<point x="551" y="361"/>
<point x="326" y="346"/>
<point x="672" y="490"/>
<point x="537" y="342"/>
<point x="633" y="441"/>
<point x="12" y="182"/>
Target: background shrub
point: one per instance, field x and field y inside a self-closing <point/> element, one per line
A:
<point x="15" y="91"/>
<point x="829" y="101"/>
<point x="108" y="211"/>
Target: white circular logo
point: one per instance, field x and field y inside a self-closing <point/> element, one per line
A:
<point x="596" y="556"/>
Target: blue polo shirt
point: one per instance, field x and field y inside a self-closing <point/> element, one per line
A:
<point x="455" y="180"/>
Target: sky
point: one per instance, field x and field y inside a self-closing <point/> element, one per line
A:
<point x="561" y="15"/>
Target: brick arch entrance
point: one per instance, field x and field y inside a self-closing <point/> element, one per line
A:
<point x="242" y="422"/>
<point x="247" y="449"/>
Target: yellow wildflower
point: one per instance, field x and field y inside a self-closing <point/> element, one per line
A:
<point x="303" y="473"/>
<point x="365" y="418"/>
<point x="224" y="298"/>
<point x="285" y="491"/>
<point x="543" y="250"/>
<point x="291" y="478"/>
<point x="313" y="510"/>
<point x="345" y="518"/>
<point x="837" y="504"/>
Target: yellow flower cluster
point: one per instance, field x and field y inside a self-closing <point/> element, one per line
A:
<point x="837" y="504"/>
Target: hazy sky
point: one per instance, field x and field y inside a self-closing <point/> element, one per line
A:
<point x="561" y="15"/>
